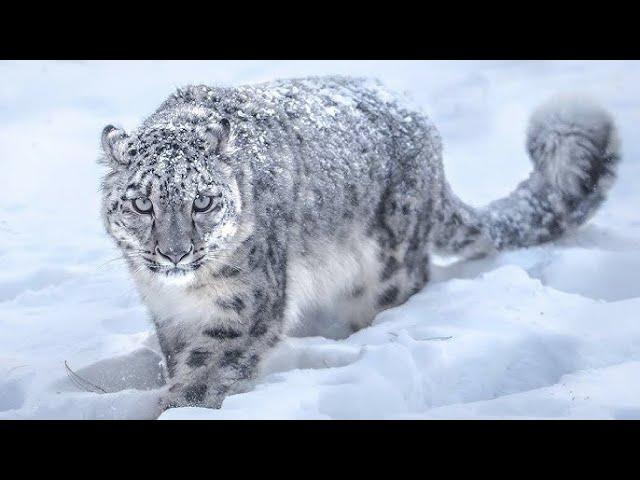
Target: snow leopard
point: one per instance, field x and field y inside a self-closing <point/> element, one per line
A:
<point x="241" y="211"/>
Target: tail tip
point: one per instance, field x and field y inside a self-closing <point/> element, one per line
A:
<point x="575" y="142"/>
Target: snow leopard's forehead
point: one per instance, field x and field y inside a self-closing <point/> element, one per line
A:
<point x="172" y="164"/>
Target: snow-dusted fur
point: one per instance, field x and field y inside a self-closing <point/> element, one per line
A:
<point x="329" y="195"/>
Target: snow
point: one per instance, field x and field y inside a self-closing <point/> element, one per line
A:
<point x="545" y="332"/>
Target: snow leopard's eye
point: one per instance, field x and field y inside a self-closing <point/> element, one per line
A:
<point x="203" y="203"/>
<point x="142" y="205"/>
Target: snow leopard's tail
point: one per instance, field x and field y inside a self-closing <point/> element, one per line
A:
<point x="574" y="149"/>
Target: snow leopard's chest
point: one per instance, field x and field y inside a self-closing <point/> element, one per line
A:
<point x="187" y="309"/>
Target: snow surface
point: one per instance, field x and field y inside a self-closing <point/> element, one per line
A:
<point x="547" y="332"/>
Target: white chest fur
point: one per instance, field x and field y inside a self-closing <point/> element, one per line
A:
<point x="178" y="304"/>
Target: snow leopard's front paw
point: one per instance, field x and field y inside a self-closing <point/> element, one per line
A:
<point x="191" y="395"/>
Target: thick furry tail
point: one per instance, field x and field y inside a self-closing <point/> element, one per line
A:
<point x="574" y="148"/>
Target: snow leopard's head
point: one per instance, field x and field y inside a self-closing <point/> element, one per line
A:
<point x="171" y="200"/>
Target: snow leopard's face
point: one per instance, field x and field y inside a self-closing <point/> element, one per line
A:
<point x="170" y="201"/>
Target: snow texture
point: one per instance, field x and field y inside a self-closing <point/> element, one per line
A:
<point x="545" y="332"/>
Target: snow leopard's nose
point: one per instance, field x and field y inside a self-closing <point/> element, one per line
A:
<point x="174" y="255"/>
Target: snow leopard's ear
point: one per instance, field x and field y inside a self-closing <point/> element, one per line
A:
<point x="217" y="136"/>
<point x="114" y="142"/>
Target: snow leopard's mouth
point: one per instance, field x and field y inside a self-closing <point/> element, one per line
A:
<point x="176" y="270"/>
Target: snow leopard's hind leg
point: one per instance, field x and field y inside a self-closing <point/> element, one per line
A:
<point x="400" y="228"/>
<point x="396" y="282"/>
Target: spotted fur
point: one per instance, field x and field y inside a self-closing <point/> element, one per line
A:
<point x="331" y="196"/>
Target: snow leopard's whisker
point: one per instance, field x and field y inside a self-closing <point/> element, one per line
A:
<point x="124" y="256"/>
<point x="235" y="267"/>
<point x="109" y="262"/>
